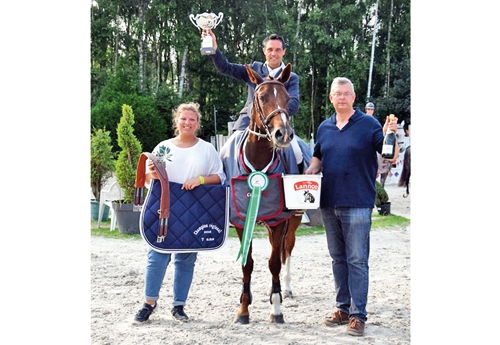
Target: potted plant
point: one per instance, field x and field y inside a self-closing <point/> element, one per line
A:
<point x="382" y="200"/>
<point x="102" y="164"/>
<point x="126" y="166"/>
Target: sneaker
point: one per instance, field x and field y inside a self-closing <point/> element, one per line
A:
<point x="143" y="314"/>
<point x="338" y="318"/>
<point x="356" y="327"/>
<point x="179" y="314"/>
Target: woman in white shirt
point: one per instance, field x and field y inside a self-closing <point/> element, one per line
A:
<point x="190" y="161"/>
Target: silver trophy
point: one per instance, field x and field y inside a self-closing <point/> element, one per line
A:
<point x="206" y="21"/>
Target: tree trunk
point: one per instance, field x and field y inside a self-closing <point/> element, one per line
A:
<point x="388" y="62"/>
<point x="117" y="35"/>
<point x="183" y="72"/>
<point x="311" y="124"/>
<point x="141" y="48"/>
<point x="297" y="32"/>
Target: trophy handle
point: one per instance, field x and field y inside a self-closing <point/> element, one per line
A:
<point x="193" y="18"/>
<point x="219" y="18"/>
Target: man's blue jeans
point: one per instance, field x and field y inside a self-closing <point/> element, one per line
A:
<point x="183" y="275"/>
<point x="348" y="239"/>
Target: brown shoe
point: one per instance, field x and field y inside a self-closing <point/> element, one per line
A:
<point x="338" y="318"/>
<point x="356" y="327"/>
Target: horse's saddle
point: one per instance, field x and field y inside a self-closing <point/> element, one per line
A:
<point x="174" y="220"/>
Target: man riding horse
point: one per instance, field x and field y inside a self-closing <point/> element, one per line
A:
<point x="274" y="49"/>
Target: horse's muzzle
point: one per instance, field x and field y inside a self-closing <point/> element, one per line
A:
<point x="282" y="137"/>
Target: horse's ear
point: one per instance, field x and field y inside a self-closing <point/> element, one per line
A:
<point x="254" y="76"/>
<point x="285" y="74"/>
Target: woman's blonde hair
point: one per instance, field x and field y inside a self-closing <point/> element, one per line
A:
<point x="194" y="107"/>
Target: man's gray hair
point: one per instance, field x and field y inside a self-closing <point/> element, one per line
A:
<point x="341" y="81"/>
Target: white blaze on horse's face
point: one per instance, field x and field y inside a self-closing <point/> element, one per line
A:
<point x="283" y="118"/>
<point x="284" y="140"/>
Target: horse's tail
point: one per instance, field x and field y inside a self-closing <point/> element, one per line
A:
<point x="404" y="179"/>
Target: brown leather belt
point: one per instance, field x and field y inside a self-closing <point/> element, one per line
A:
<point x="140" y="181"/>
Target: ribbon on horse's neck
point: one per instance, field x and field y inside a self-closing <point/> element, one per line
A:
<point x="265" y="119"/>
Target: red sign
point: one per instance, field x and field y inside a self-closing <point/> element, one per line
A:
<point x="306" y="185"/>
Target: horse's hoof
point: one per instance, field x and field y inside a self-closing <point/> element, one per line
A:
<point x="243" y="319"/>
<point x="276" y="318"/>
<point x="405" y="195"/>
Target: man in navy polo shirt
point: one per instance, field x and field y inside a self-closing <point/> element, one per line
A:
<point x="346" y="153"/>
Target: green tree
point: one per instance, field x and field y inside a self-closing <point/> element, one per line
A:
<point x="102" y="162"/>
<point x="153" y="46"/>
<point x="131" y="149"/>
<point x="151" y="127"/>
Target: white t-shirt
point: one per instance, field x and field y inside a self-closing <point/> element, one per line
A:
<point x="185" y="163"/>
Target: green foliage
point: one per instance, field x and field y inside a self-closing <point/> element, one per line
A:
<point x="126" y="165"/>
<point x="102" y="160"/>
<point x="325" y="39"/>
<point x="103" y="231"/>
<point x="150" y="126"/>
<point x="399" y="101"/>
<point x="389" y="221"/>
<point x="381" y="196"/>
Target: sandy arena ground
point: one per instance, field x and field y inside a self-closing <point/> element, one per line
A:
<point x="117" y="283"/>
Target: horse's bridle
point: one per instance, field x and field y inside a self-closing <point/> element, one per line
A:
<point x="266" y="119"/>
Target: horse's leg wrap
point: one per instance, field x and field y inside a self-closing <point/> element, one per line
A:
<point x="246" y="289"/>
<point x="276" y="289"/>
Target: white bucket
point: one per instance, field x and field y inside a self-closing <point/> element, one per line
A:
<point x="302" y="191"/>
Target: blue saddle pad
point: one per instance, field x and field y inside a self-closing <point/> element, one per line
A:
<point x="198" y="221"/>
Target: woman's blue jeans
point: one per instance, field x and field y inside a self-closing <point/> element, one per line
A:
<point x="183" y="275"/>
<point x="348" y="239"/>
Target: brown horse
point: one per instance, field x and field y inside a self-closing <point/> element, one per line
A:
<point x="268" y="133"/>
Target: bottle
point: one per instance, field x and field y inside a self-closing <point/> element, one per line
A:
<point x="389" y="146"/>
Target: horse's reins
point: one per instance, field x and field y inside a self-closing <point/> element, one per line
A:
<point x="265" y="119"/>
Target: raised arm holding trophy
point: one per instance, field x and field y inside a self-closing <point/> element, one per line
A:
<point x="206" y="21"/>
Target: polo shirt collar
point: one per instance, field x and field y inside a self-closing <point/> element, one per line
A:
<point x="274" y="72"/>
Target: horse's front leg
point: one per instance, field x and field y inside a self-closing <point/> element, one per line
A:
<point x="383" y="177"/>
<point x="243" y="314"/>
<point x="276" y="238"/>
